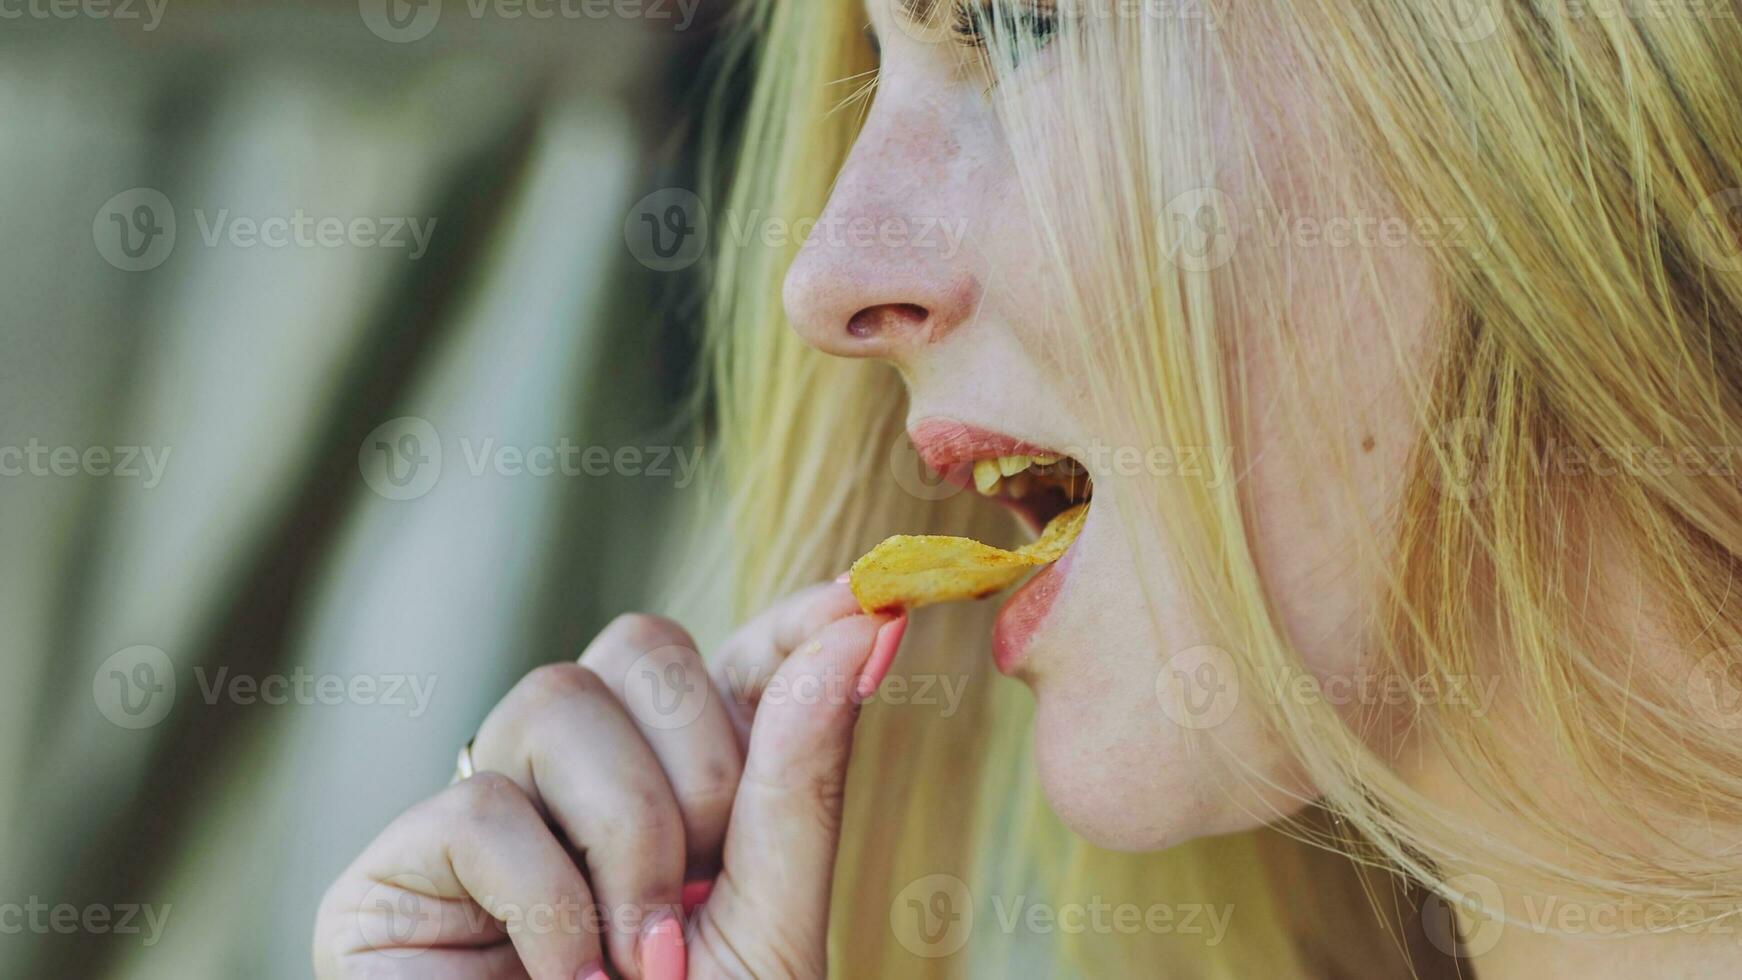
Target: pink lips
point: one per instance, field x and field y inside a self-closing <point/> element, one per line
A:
<point x="950" y="447"/>
<point x="1024" y="613"/>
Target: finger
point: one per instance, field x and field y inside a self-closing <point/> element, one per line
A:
<point x="570" y="744"/>
<point x="780" y="848"/>
<point x="750" y="657"/>
<point x="652" y="666"/>
<point x="411" y="900"/>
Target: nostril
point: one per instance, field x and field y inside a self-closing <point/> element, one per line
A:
<point x="873" y="320"/>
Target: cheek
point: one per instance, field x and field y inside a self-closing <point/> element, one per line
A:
<point x="1326" y="464"/>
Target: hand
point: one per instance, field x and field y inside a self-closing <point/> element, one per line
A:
<point x="603" y="785"/>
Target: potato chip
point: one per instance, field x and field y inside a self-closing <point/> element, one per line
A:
<point x="912" y="570"/>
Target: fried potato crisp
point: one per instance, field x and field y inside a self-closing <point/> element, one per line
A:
<point x="912" y="570"/>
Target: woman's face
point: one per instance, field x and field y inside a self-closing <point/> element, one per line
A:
<point x="1132" y="684"/>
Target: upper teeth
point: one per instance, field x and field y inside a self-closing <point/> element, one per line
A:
<point x="990" y="475"/>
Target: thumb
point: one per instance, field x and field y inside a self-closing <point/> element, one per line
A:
<point x="772" y="896"/>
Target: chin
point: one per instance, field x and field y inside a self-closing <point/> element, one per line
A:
<point x="1123" y="778"/>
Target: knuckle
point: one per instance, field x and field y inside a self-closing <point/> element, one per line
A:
<point x="487" y="798"/>
<point x="555" y="684"/>
<point x="640" y="632"/>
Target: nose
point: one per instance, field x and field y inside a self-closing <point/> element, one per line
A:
<point x="884" y="273"/>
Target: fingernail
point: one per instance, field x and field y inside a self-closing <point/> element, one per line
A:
<point x="883" y="648"/>
<point x="663" y="956"/>
<point x="695" y="893"/>
<point x="843" y="578"/>
<point x="592" y="971"/>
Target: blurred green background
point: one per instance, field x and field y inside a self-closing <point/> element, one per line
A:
<point x="316" y="319"/>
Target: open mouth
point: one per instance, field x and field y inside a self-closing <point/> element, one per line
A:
<point x="1038" y="486"/>
<point x="1048" y="490"/>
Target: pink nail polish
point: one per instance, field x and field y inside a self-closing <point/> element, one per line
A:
<point x="592" y="971"/>
<point x="695" y="893"/>
<point x="843" y="578"/>
<point x="883" y="648"/>
<point x="663" y="956"/>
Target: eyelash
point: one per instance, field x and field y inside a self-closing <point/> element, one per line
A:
<point x="971" y="25"/>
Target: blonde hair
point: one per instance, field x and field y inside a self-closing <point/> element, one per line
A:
<point x="1597" y="311"/>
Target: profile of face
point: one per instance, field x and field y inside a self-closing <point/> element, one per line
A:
<point x="953" y="291"/>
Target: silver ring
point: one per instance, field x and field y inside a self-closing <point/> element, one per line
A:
<point x="463" y="769"/>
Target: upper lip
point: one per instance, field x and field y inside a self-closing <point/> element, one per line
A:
<point x="949" y="447"/>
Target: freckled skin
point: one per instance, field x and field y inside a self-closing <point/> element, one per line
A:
<point x="968" y="333"/>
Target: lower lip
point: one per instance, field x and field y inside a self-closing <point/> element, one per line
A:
<point x="1024" y="613"/>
